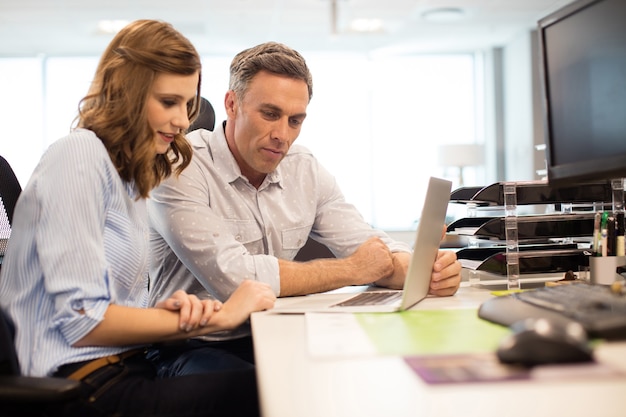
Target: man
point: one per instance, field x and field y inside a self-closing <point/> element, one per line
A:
<point x="249" y="200"/>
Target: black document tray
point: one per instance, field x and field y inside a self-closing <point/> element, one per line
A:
<point x="535" y="192"/>
<point x="532" y="227"/>
<point x="532" y="259"/>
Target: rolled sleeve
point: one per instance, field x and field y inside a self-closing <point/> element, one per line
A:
<point x="81" y="318"/>
<point x="267" y="266"/>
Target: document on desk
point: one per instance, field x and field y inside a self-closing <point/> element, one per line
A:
<point x="336" y="335"/>
<point x="417" y="332"/>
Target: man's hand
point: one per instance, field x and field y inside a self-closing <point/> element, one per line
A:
<point x="446" y="276"/>
<point x="249" y="297"/>
<point x="372" y="261"/>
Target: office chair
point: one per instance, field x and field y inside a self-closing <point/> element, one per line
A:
<point x="206" y="117"/>
<point x="312" y="249"/>
<point x="10" y="188"/>
<point x="22" y="395"/>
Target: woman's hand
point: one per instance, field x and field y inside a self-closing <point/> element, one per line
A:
<point x="193" y="312"/>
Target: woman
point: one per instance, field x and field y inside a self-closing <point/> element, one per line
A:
<point x="74" y="278"/>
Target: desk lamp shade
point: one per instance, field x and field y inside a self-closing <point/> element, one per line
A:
<point x="461" y="155"/>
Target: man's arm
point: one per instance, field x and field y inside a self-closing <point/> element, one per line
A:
<point x="371" y="262"/>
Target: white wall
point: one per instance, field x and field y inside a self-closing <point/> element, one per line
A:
<point x="518" y="113"/>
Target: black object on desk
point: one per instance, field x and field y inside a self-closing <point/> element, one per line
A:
<point x="542" y="341"/>
<point x="601" y="312"/>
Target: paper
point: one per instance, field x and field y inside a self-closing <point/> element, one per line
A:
<point x="428" y="332"/>
<point x="417" y="332"/>
<point x="336" y="335"/>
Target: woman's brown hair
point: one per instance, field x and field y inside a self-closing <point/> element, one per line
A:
<point x="115" y="107"/>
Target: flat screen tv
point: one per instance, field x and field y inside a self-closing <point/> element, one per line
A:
<point x="583" y="79"/>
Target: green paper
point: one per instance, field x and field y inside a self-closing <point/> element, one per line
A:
<point x="429" y="332"/>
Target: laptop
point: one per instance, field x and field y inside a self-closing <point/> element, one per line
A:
<point x="417" y="282"/>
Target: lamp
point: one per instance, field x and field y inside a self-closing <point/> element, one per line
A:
<point x="444" y="14"/>
<point x="461" y="155"/>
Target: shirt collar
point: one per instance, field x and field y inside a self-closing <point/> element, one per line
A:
<point x="215" y="144"/>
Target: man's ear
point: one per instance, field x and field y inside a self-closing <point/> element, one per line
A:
<point x="230" y="103"/>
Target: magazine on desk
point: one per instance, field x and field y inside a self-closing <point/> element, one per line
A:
<point x="485" y="367"/>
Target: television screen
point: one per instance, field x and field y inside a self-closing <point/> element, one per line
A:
<point x="583" y="78"/>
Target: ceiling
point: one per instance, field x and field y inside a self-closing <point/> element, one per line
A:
<point x="70" y="27"/>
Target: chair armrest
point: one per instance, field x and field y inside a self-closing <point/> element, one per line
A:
<point x="24" y="389"/>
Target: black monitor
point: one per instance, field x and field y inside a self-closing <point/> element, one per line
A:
<point x="583" y="80"/>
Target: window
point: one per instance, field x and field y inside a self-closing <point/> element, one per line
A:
<point x="67" y="81"/>
<point x="375" y="124"/>
<point x="21" y="108"/>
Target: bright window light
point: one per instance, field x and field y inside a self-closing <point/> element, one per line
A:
<point x="376" y="124"/>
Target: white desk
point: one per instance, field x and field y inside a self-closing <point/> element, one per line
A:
<point x="292" y="383"/>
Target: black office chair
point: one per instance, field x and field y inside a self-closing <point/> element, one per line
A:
<point x="312" y="249"/>
<point x="206" y="117"/>
<point x="22" y="395"/>
<point x="10" y="188"/>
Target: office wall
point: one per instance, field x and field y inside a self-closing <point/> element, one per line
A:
<point x="518" y="111"/>
<point x="493" y="115"/>
<point x="539" y="138"/>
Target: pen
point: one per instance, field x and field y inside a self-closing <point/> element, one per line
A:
<point x="611" y="240"/>
<point x="603" y="233"/>
<point x="596" y="234"/>
<point x="620" y="247"/>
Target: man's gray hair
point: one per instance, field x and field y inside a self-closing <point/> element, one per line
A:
<point x="272" y="57"/>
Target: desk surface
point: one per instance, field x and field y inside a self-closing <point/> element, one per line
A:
<point x="292" y="382"/>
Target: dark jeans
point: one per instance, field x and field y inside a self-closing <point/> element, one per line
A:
<point x="197" y="356"/>
<point x="134" y="387"/>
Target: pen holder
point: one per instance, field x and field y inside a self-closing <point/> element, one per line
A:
<point x="604" y="269"/>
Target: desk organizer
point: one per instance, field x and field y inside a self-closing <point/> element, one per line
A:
<point x="532" y="260"/>
<point x="550" y="240"/>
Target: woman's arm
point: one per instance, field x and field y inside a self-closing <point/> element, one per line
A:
<point x="132" y="326"/>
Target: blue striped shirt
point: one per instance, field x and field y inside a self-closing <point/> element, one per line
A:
<point x="78" y="243"/>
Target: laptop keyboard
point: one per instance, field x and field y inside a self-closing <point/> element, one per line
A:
<point x="369" y="298"/>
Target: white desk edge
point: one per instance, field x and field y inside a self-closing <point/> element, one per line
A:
<point x="294" y="384"/>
